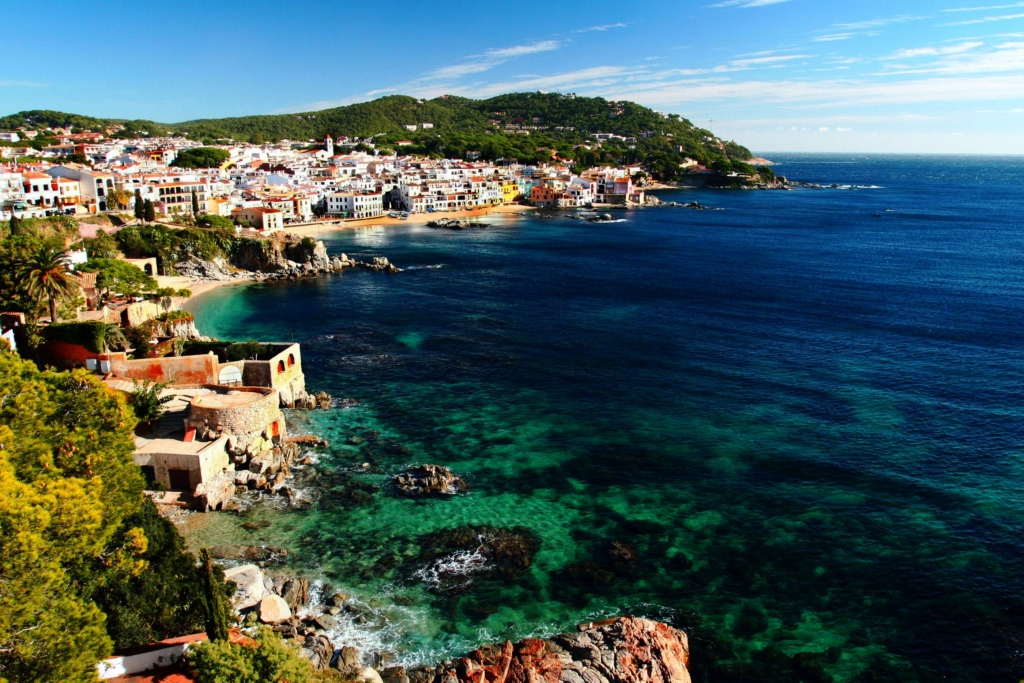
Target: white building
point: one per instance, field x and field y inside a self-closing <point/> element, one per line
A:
<point x="355" y="204"/>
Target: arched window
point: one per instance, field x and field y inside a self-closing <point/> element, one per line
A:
<point x="280" y="366"/>
<point x="291" y="359"/>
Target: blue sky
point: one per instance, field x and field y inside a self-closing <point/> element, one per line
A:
<point x="776" y="75"/>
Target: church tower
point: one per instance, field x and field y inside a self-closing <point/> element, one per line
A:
<point x="329" y="146"/>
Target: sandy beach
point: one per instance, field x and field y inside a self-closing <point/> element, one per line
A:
<point x="416" y="218"/>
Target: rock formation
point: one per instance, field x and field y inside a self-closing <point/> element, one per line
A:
<point x="624" y="650"/>
<point x="430" y="480"/>
<point x="456" y="224"/>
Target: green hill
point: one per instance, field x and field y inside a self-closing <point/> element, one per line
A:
<point x="461" y="126"/>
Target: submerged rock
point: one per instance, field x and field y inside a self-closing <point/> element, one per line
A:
<point x="430" y="480"/>
<point x="450" y="560"/>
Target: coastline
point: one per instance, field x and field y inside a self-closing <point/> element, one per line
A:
<point x="414" y="219"/>
<point x="201" y="287"/>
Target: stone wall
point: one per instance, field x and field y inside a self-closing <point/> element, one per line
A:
<point x="250" y="426"/>
<point x="169" y="369"/>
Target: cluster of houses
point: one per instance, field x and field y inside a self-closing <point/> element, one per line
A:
<point x="273" y="185"/>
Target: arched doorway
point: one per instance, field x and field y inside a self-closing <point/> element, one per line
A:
<point x="229" y="374"/>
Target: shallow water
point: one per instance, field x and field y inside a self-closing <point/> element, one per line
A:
<point x="803" y="418"/>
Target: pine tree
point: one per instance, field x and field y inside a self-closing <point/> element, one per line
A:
<point x="195" y="203"/>
<point x="149" y="211"/>
<point x="140" y="209"/>
<point x="218" y="615"/>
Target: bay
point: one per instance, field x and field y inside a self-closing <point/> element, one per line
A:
<point x="800" y="414"/>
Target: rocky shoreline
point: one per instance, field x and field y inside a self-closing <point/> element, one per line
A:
<point x="621" y="650"/>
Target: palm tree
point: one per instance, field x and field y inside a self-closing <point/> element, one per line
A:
<point x="45" y="275"/>
<point x="113" y="338"/>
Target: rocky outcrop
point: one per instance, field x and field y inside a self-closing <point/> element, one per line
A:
<point x="624" y="650"/>
<point x="197" y="269"/>
<point x="430" y="481"/>
<point x="456" y="224"/>
<point x="318" y="401"/>
<point x="378" y="264"/>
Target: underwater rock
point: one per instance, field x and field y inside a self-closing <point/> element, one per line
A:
<point x="430" y="480"/>
<point x="450" y="559"/>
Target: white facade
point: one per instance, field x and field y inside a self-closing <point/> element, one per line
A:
<point x="355" y="205"/>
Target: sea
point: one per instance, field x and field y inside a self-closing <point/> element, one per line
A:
<point x="790" y="424"/>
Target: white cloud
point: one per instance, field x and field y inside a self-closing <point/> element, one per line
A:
<point x="877" y="23"/>
<point x="834" y="36"/>
<point x="985" y="20"/>
<point x="602" y="27"/>
<point x="748" y="3"/>
<point x="983" y="9"/>
<point x="932" y="51"/>
<point x="823" y="129"/>
<point x="964" y="59"/>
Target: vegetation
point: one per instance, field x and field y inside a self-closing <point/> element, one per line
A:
<point x="265" y="659"/>
<point x="249" y="350"/>
<point x="68" y="482"/>
<point x="146" y="401"/>
<point x="170" y="245"/>
<point x="87" y="562"/>
<point x="119" y="276"/>
<point x="164" y="600"/>
<point x="44" y="276"/>
<point x="201" y="157"/>
<point x="219" y="222"/>
<point x="95" y="336"/>
<point x="561" y="125"/>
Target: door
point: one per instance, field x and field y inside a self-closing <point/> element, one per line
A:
<point x="180" y="480"/>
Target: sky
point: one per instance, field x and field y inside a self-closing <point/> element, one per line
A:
<point x="775" y="75"/>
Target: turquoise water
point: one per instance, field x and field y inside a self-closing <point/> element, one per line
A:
<point x="800" y="414"/>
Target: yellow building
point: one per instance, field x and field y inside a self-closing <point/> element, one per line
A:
<point x="509" y="192"/>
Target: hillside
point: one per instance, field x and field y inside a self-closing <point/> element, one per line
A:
<point x="548" y="125"/>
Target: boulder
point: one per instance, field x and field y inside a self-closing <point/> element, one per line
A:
<point x="318" y="651"/>
<point x="274" y="610"/>
<point x="394" y="674"/>
<point x="370" y="675"/>
<point x="430" y="480"/>
<point x="349" y="661"/>
<point x="295" y="592"/>
<point x="249" y="586"/>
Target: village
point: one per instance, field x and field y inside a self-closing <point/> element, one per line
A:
<point x="268" y="187"/>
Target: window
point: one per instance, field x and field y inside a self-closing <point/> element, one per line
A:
<point x="280" y="366"/>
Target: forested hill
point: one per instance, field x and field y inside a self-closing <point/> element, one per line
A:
<point x="559" y="122"/>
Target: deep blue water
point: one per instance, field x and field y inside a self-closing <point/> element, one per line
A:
<point x="803" y="418"/>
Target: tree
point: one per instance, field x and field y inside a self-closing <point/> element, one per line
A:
<point x="195" y="203"/>
<point x="212" y="221"/>
<point x="218" y="612"/>
<point x="119" y="198"/>
<point x="116" y="275"/>
<point x="44" y="275"/>
<point x="113" y="338"/>
<point x="146" y="401"/>
<point x="102" y="246"/>
<point x="267" y="659"/>
<point x="140" y="208"/>
<point x="148" y="211"/>
<point x="67" y="482"/>
<point x="201" y="157"/>
<point x="165" y="600"/>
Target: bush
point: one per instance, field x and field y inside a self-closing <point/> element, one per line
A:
<point x="250" y="350"/>
<point x="208" y="221"/>
<point x="268" y="659"/>
<point x="91" y="334"/>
